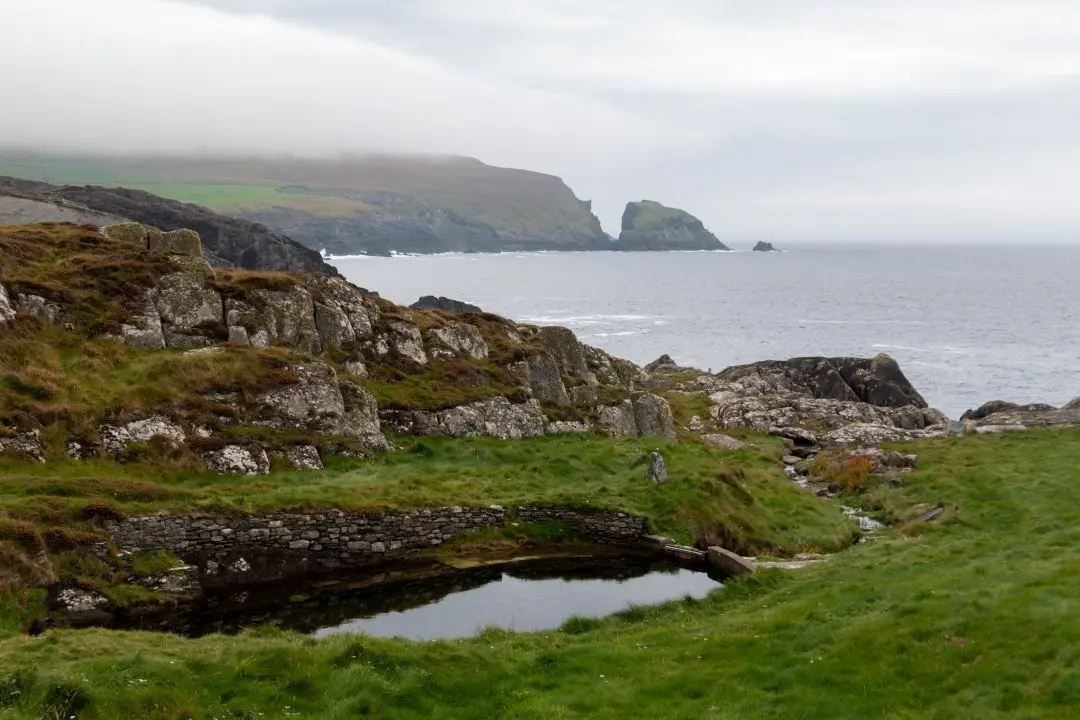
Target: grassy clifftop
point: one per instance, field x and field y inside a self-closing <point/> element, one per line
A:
<point x="501" y="198"/>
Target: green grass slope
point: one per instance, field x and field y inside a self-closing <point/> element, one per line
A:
<point x="504" y="198"/>
<point x="974" y="618"/>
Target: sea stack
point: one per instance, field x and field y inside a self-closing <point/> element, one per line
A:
<point x="648" y="225"/>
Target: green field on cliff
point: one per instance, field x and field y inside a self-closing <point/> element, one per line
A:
<point x="976" y="617"/>
<point x="504" y="198"/>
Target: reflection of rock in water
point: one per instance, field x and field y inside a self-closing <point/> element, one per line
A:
<point x="323" y="602"/>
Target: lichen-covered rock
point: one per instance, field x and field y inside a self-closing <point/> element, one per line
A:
<point x="584" y="395"/>
<point x="997" y="415"/>
<point x="333" y="326"/>
<point x="304" y="457"/>
<point x="610" y="370"/>
<point x="566" y="427"/>
<point x="876" y="381"/>
<point x="76" y="601"/>
<point x="277" y="316"/>
<point x="769" y="412"/>
<point x="312" y="401"/>
<point x="25" y="444"/>
<point x="361" y="420"/>
<point x="318" y="402"/>
<point x="177" y="242"/>
<point x="653" y="417"/>
<point x="238" y="335"/>
<point x="144" y="330"/>
<point x="186" y="306"/>
<point x="39" y="307"/>
<point x="458" y="339"/>
<point x="724" y="441"/>
<point x="115" y="439"/>
<point x="404" y="339"/>
<point x="348" y="313"/>
<point x="497" y="418"/>
<point x="132" y="233"/>
<point x="618" y="420"/>
<point x="568" y="353"/>
<point x="7" y="312"/>
<point x="238" y="460"/>
<point x="870" y="434"/>
<point x="357" y="368"/>
<point x="544" y="380"/>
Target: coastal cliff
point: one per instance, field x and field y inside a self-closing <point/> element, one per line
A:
<point x="227" y="241"/>
<point x="648" y="225"/>
<point x="368" y="204"/>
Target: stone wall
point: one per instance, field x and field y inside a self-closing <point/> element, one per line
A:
<point x="602" y="526"/>
<point x="230" y="550"/>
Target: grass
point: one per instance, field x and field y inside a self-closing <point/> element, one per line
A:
<point x="977" y="618"/>
<point x="506" y="199"/>
<point x="743" y="492"/>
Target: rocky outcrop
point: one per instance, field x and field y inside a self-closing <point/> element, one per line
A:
<point x="645" y="415"/>
<point x="238" y="460"/>
<point x="39" y="307"/>
<point x="177" y="242"/>
<point x="7" y="312"/>
<point x="763" y="246"/>
<point x="403" y="340"/>
<point x="999" y="416"/>
<point x="318" y="402"/>
<point x="115" y="439"/>
<point x="445" y="304"/>
<point x="877" y="381"/>
<point x="813" y="401"/>
<point x="648" y="225"/>
<point x="187" y="307"/>
<point x="26" y="445"/>
<point x="18" y="207"/>
<point x="497" y="418"/>
<point x="451" y="341"/>
<point x="230" y="241"/>
<point x="541" y="375"/>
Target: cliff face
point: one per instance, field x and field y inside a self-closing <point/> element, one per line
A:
<point x="227" y="241"/>
<point x="648" y="225"/>
<point x="361" y="205"/>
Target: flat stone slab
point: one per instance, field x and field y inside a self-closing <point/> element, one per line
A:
<point x="730" y="563"/>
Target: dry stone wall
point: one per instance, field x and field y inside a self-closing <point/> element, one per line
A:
<point x="231" y="550"/>
<point x="602" y="526"/>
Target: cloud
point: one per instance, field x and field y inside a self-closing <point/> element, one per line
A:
<point x="786" y="118"/>
<point x="137" y="75"/>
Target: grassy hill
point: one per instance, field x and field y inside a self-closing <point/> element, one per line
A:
<point x="503" y="198"/>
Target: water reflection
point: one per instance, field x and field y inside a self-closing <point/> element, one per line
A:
<point x="432" y="600"/>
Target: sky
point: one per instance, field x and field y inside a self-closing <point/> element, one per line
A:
<point x="774" y="119"/>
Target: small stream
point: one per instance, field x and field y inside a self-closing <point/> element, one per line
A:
<point x="435" y="601"/>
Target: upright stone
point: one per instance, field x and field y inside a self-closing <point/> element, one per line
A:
<point x="657" y="473"/>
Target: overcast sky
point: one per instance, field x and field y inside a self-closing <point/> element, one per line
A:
<point x="772" y="118"/>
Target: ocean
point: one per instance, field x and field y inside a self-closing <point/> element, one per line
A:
<point x="967" y="323"/>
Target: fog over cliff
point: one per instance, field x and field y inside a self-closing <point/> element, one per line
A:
<point x="782" y="119"/>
